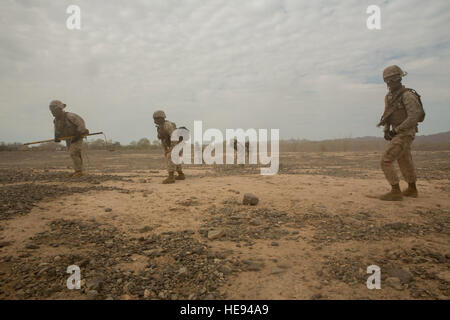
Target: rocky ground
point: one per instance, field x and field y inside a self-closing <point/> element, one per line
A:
<point x="226" y="232"/>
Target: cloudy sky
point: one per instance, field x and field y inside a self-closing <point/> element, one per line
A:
<point x="309" y="68"/>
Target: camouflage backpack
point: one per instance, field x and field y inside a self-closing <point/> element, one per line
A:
<point x="387" y="112"/>
<point x="422" y="117"/>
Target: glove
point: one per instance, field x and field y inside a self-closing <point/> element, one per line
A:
<point x="393" y="133"/>
<point x="76" y="138"/>
<point x="387" y="135"/>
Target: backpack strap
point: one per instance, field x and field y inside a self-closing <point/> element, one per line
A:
<point x="390" y="109"/>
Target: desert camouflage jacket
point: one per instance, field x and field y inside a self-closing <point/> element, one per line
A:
<point x="69" y="125"/>
<point x="165" y="132"/>
<point x="402" y="111"/>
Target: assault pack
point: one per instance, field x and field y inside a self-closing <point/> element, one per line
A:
<point x="422" y="117"/>
<point x="399" y="95"/>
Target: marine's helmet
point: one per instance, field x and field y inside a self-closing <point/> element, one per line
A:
<point x="56" y="104"/>
<point x="159" y="114"/>
<point x="393" y="71"/>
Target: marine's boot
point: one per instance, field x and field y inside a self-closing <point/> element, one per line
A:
<point x="76" y="174"/>
<point x="180" y="176"/>
<point x="411" y="191"/>
<point x="169" y="179"/>
<point x="394" y="195"/>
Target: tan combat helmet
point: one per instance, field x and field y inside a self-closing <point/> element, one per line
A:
<point x="56" y="104"/>
<point x="393" y="71"/>
<point x="159" y="114"/>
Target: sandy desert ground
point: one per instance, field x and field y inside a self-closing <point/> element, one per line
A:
<point x="316" y="229"/>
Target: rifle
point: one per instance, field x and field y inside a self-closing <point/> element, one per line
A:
<point x="63" y="138"/>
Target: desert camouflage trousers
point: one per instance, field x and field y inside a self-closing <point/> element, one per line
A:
<point x="399" y="149"/>
<point x="75" y="150"/>
<point x="171" y="166"/>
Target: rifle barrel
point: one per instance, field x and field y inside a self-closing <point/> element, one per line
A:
<point x="64" y="138"/>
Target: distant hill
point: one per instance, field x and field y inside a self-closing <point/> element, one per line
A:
<point x="434" y="138"/>
<point x="442" y="137"/>
<point x="438" y="141"/>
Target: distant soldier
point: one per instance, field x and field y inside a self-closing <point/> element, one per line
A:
<point x="235" y="146"/>
<point x="165" y="129"/>
<point x="69" y="124"/>
<point x="403" y="110"/>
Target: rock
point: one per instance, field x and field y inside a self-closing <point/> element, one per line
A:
<point x="182" y="271"/>
<point x="57" y="258"/>
<point x="274" y="244"/>
<point x="32" y="246"/>
<point x="276" y="270"/>
<point x="394" y="283"/>
<point x="250" y="199"/>
<point x="447" y="255"/>
<point x="215" y="234"/>
<point x="125" y="297"/>
<point x="256" y="222"/>
<point x="108" y="210"/>
<point x="225" y="269"/>
<point x="403" y="275"/>
<point x="317" y="296"/>
<point x="198" y="250"/>
<point x="94" y="284"/>
<point x="147" y="293"/>
<point x="253" y="266"/>
<point x="145" y="229"/>
<point x="92" y="294"/>
<point x="109" y="243"/>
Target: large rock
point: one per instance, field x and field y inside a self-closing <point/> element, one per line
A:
<point x="403" y="275"/>
<point x="215" y="234"/>
<point x="250" y="199"/>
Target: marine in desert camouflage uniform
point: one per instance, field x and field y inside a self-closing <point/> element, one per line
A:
<point x="165" y="129"/>
<point x="402" y="113"/>
<point x="69" y="124"/>
<point x="247" y="148"/>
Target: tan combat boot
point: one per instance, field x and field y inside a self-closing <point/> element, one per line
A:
<point x="180" y="176"/>
<point x="411" y="191"/>
<point x="394" y="195"/>
<point x="76" y="174"/>
<point x="169" y="179"/>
